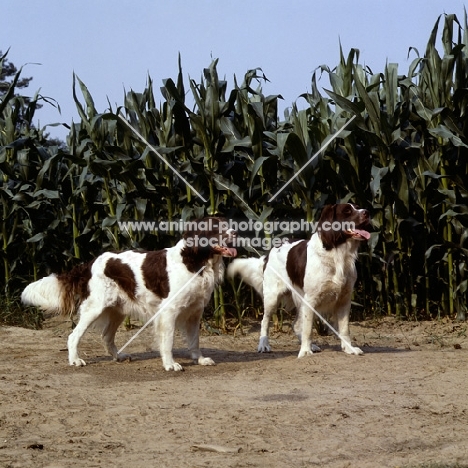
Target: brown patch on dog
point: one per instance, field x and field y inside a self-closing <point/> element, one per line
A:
<point x="296" y="263"/>
<point x="122" y="274"/>
<point x="75" y="287"/>
<point x="154" y="269"/>
<point x="196" y="257"/>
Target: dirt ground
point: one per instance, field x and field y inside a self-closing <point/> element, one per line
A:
<point x="404" y="403"/>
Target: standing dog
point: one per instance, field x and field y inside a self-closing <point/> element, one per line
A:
<point x="319" y="274"/>
<point x="178" y="282"/>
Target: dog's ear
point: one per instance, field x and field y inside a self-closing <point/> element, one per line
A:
<point x="325" y="232"/>
<point x="330" y="236"/>
<point x="201" y="234"/>
<point x="194" y="232"/>
<point x="328" y="213"/>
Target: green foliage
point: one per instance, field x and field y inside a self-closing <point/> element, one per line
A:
<point x="13" y="313"/>
<point x="404" y="157"/>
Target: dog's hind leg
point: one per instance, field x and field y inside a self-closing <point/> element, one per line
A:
<point x="112" y="318"/>
<point x="270" y="304"/>
<point x="89" y="312"/>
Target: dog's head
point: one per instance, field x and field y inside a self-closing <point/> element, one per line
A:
<point x="210" y="236"/>
<point x="341" y="222"/>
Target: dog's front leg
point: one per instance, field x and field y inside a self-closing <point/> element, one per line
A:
<point x="166" y="329"/>
<point x="307" y="316"/>
<point x="89" y="312"/>
<point x="343" y="328"/>
<point x="297" y="327"/>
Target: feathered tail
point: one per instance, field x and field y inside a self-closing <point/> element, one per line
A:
<point x="62" y="293"/>
<point x="250" y="270"/>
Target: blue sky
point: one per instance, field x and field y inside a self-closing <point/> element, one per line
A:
<point x="113" y="45"/>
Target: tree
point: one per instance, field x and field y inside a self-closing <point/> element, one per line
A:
<point x="7" y="71"/>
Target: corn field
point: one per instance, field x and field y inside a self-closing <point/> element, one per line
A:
<point x="404" y="157"/>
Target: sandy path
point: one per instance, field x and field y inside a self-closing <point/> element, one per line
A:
<point x="404" y="403"/>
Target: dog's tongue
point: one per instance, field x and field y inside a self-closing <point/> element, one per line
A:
<point x="362" y="233"/>
<point x="232" y="251"/>
<point x="226" y="251"/>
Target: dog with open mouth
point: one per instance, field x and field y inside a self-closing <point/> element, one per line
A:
<point x="312" y="275"/>
<point x="177" y="283"/>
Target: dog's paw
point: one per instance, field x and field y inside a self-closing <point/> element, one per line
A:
<point x="77" y="362"/>
<point x="123" y="357"/>
<point x="353" y="350"/>
<point x="315" y="348"/>
<point x="206" y="361"/>
<point x="305" y="352"/>
<point x="175" y="366"/>
<point x="263" y="345"/>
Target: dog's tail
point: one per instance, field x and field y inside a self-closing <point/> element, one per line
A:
<point x="250" y="270"/>
<point x="60" y="294"/>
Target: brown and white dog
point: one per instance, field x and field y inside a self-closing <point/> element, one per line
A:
<point x="318" y="275"/>
<point x="177" y="282"/>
